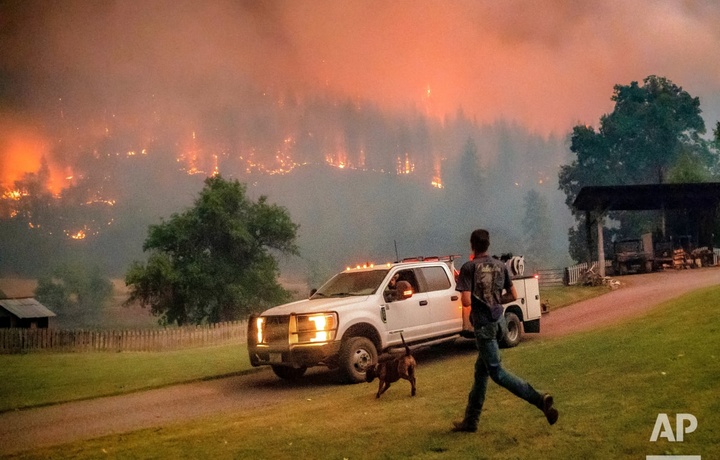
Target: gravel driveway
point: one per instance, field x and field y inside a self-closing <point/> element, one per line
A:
<point x="62" y="423"/>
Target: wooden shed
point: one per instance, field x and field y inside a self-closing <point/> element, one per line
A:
<point x="25" y="312"/>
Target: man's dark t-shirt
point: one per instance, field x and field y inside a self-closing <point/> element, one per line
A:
<point x="485" y="277"/>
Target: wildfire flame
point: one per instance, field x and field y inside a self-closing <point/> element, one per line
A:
<point x="28" y="153"/>
<point x="405" y="166"/>
<point x="437" y="177"/>
<point x="80" y="235"/>
<point x="14" y="195"/>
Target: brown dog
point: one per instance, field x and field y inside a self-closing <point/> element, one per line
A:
<point x="392" y="370"/>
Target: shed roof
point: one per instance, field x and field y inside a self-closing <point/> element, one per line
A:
<point x="26" y="307"/>
<point x="648" y="196"/>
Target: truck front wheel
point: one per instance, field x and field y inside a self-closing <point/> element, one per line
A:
<point x="356" y="354"/>
<point x="512" y="337"/>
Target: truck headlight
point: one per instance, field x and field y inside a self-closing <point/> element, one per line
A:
<point x="260" y="328"/>
<point x="315" y="328"/>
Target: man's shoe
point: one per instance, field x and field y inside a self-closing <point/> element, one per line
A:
<point x="551" y="414"/>
<point x="464" y="427"/>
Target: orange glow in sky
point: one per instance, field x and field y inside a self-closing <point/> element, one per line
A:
<point x="546" y="65"/>
<point x="21" y="152"/>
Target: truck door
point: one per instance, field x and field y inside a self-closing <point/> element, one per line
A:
<point x="445" y="306"/>
<point x="411" y="316"/>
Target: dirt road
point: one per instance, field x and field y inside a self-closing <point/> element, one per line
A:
<point x="47" y="426"/>
<point x="637" y="295"/>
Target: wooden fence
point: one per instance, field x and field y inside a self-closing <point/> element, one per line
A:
<point x="18" y="340"/>
<point x="573" y="274"/>
<point x="551" y="277"/>
<point x="568" y="276"/>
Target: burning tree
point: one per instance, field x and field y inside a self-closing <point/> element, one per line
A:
<point x="213" y="262"/>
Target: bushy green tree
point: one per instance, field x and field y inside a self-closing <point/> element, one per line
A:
<point x="650" y="129"/>
<point x="688" y="169"/>
<point x="214" y="262"/>
<point x="74" y="290"/>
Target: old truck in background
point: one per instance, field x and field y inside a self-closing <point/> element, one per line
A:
<point x="633" y="255"/>
<point x="645" y="254"/>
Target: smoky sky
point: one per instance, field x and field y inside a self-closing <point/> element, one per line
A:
<point x="546" y="65"/>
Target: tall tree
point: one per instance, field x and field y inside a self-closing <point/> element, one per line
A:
<point x="651" y="127"/>
<point x="470" y="171"/>
<point x="652" y="135"/>
<point x="466" y="181"/>
<point x="537" y="230"/>
<point x="214" y="262"/>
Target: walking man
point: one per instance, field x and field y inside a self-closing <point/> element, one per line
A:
<point x="481" y="283"/>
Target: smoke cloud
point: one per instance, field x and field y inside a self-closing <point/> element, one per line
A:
<point x="359" y="83"/>
<point x="546" y="65"/>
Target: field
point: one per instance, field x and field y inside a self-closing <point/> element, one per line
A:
<point x="561" y="296"/>
<point x="40" y="379"/>
<point x="610" y="385"/>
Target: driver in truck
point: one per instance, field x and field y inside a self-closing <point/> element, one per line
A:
<point x="481" y="282"/>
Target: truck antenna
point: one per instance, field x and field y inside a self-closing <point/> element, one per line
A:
<point x="397" y="257"/>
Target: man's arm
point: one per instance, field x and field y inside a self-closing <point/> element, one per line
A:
<point x="464" y="286"/>
<point x="510" y="295"/>
<point x="466" y="302"/>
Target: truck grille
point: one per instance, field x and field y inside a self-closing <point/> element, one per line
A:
<point x="277" y="329"/>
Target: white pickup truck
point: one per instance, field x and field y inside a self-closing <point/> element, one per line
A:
<point x="359" y="313"/>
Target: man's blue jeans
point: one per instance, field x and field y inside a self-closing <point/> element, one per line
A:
<point x="488" y="365"/>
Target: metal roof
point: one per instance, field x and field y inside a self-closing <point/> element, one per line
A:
<point x="26" y="307"/>
<point x="649" y="196"/>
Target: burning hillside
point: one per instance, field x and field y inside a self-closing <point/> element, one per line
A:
<point x="93" y="181"/>
<point x="74" y="159"/>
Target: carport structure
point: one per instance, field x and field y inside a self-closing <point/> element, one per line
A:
<point x="701" y="200"/>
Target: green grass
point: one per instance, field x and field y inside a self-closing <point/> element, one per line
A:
<point x="36" y="379"/>
<point x="609" y="386"/>
<point x="562" y="296"/>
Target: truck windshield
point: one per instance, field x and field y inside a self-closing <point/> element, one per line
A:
<point x="351" y="284"/>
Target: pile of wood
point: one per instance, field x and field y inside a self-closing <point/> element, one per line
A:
<point x="700" y="257"/>
<point x="591" y="278"/>
<point x="681" y="259"/>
